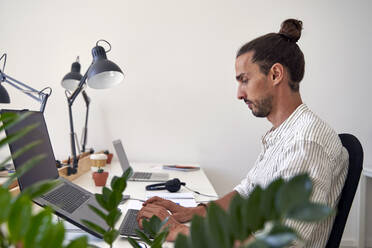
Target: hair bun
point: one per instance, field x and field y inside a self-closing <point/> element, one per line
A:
<point x="291" y="29"/>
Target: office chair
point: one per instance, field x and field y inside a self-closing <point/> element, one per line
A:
<point x="353" y="146"/>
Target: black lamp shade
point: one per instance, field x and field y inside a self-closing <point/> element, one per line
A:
<point x="103" y="73"/>
<point x="4" y="96"/>
<point x="71" y="80"/>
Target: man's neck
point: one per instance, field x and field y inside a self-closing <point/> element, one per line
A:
<point x="283" y="109"/>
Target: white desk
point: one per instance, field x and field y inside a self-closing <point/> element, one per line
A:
<point x="196" y="180"/>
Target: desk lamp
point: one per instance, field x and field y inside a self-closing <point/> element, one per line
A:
<point x="101" y="74"/>
<point x="42" y="95"/>
<point x="70" y="82"/>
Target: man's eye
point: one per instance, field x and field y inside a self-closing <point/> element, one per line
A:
<point x="245" y="81"/>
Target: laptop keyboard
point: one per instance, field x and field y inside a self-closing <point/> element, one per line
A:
<point x="66" y="197"/>
<point x="141" y="175"/>
<point x="129" y="225"/>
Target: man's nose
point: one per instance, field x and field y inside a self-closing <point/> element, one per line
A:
<point x="241" y="94"/>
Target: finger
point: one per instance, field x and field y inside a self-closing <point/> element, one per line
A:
<point x="141" y="213"/>
<point x="140" y="223"/>
<point x="148" y="208"/>
<point x="152" y="199"/>
<point x="147" y="214"/>
<point x="168" y="205"/>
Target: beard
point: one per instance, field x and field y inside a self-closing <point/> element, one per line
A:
<point x="262" y="107"/>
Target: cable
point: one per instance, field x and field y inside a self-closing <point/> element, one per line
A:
<point x="136" y="199"/>
<point x="197" y="192"/>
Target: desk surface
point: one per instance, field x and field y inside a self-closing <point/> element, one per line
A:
<point x="367" y="172"/>
<point x="196" y="180"/>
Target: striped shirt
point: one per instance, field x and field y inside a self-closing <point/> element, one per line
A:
<point x="302" y="143"/>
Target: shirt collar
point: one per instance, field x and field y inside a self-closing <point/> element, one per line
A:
<point x="287" y="126"/>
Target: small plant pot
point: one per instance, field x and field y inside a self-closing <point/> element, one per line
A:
<point x="109" y="158"/>
<point x="100" y="178"/>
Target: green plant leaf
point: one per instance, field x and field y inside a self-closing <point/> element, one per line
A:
<point x="182" y="242"/>
<point x="20" y="152"/>
<point x="198" y="232"/>
<point x="40" y="188"/>
<point x="78" y="242"/>
<point x="309" y="212"/>
<point x="128" y="173"/>
<point x="9" y="119"/>
<point x="279" y="236"/>
<point x="133" y="243"/>
<point x="152" y="226"/>
<point x="160" y="239"/>
<point x="252" y="214"/>
<point x="258" y="244"/>
<point x="97" y="211"/>
<point x="38" y="229"/>
<point x="6" y="117"/>
<point x="5" y="204"/>
<point x="110" y="236"/>
<point x="113" y="181"/>
<point x="143" y="236"/>
<point x="237" y="224"/>
<point x="113" y="217"/>
<point x="17" y="135"/>
<point x="24" y="168"/>
<point x="94" y="226"/>
<point x="101" y="201"/>
<point x="118" y="184"/>
<point x="19" y="218"/>
<point x="114" y="200"/>
<point x="106" y="193"/>
<point x="216" y="222"/>
<point x="267" y="205"/>
<point x="56" y="236"/>
<point x="296" y="191"/>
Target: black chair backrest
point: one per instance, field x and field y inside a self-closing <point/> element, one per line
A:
<point x="353" y="146"/>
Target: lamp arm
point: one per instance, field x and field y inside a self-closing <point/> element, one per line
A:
<point x="70" y="101"/>
<point x="43" y="97"/>
<point x="73" y="96"/>
<point x="85" y="129"/>
<point x="44" y="101"/>
<point x="73" y="169"/>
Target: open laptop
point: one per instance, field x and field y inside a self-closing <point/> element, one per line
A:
<point x="68" y="200"/>
<point x="137" y="176"/>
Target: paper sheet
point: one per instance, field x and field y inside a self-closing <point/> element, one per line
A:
<point x="170" y="196"/>
<point x="183" y="199"/>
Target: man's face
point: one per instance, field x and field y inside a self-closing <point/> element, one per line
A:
<point x="254" y="86"/>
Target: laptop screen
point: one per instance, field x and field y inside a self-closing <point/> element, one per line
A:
<point x="46" y="168"/>
<point x="121" y="154"/>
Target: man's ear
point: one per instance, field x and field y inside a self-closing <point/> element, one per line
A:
<point x="277" y="73"/>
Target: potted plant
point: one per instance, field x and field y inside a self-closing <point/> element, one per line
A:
<point x="100" y="177"/>
<point x="109" y="156"/>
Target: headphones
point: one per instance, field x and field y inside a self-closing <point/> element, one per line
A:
<point x="172" y="185"/>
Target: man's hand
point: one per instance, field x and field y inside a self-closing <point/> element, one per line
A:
<point x="179" y="213"/>
<point x="174" y="226"/>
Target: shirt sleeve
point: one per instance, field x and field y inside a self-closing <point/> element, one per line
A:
<point x="245" y="187"/>
<point x="309" y="157"/>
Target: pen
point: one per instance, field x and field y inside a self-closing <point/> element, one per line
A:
<point x="182" y="166"/>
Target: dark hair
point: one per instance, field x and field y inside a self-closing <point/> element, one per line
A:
<point x="279" y="48"/>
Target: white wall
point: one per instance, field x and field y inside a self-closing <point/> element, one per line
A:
<point x="178" y="102"/>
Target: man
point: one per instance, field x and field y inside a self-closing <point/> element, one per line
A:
<point x="269" y="70"/>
